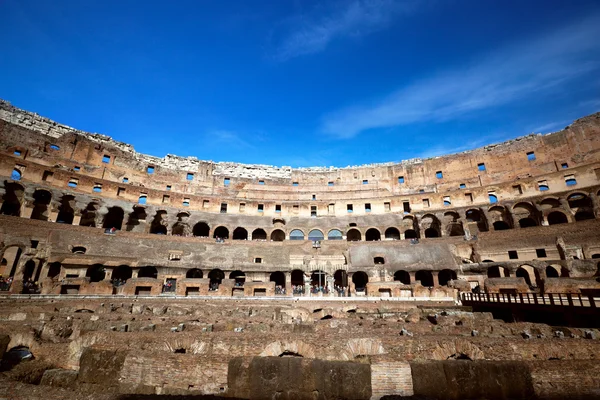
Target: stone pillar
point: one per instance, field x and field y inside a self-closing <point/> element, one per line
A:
<point x="436" y="278"/>
<point x="76" y="219"/>
<point x="465" y="226"/>
<point x="52" y="216"/>
<point x="26" y="212"/>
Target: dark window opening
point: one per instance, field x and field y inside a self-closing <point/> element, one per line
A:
<point x="540" y="253"/>
<point x="513" y="255"/>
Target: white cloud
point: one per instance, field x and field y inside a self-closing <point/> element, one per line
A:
<point x="499" y="78"/>
<point x="308" y="34"/>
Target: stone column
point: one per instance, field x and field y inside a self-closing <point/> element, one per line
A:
<point x="26" y="212"/>
<point x="436" y="278"/>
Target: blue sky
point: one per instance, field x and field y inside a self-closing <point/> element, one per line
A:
<point x="303" y="83"/>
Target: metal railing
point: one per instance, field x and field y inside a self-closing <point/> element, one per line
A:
<point x="550" y="299"/>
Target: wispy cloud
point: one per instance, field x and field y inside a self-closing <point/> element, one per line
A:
<point x="229" y="139"/>
<point x="312" y="33"/>
<point x="443" y="149"/>
<point x="500" y="77"/>
<point x="551" y="126"/>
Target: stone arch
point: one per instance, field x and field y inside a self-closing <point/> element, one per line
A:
<point x="411" y="234"/>
<point x="296" y="234"/>
<point x="402" y="276"/>
<point x="496" y="271"/>
<point x="96" y="273"/>
<point x="392" y="233"/>
<point x="529" y="273"/>
<point x="549" y="203"/>
<point x="340" y="278"/>
<point x="452" y="224"/>
<point x="181" y="229"/>
<point x="409" y="227"/>
<point x="259" y="234"/>
<point x="221" y="232"/>
<point x="66" y="210"/>
<point x="113" y="218"/>
<point x="552" y="271"/>
<point x="360" y="280"/>
<point x="581" y="205"/>
<point x="201" y="229"/>
<point x="89" y="215"/>
<point x="297" y="277"/>
<point x="431" y="226"/>
<point x="372" y="235"/>
<point x="476" y="220"/>
<point x="137" y="220"/>
<point x="499" y="218"/>
<point x="12" y="199"/>
<point x="316" y="235"/>
<point x="189" y="345"/>
<point x="159" y="223"/>
<point x="194" y="273"/>
<point x="277" y="235"/>
<point x="216" y="276"/>
<point x="279" y="348"/>
<point x="240" y="233"/>
<point x="445" y="276"/>
<point x="450" y="350"/>
<point x="353" y="235"/>
<point x="362" y="347"/>
<point x="148" y="272"/>
<point x="425" y="278"/>
<point x="41" y="201"/>
<point x="121" y="273"/>
<point x="335" y="234"/>
<point x="238" y="276"/>
<point x="557" y="217"/>
<point x="526" y="214"/>
<point x="278" y="277"/>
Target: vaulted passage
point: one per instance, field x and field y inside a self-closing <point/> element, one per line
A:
<point x="114" y="218"/>
<point x="425" y="277"/>
<point x="12" y="200"/>
<point x="201" y="229"/>
<point x="41" y="201"/>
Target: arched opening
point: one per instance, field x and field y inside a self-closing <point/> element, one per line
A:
<point x="582" y="215"/>
<point x="16" y="175"/>
<point x="579" y="200"/>
<point x="392" y="234"/>
<point x="54" y="270"/>
<point x="549" y="203"/>
<point x="121" y="274"/>
<point x="410" y="234"/>
<point x="522" y="273"/>
<point x="240" y="233"/>
<point x="201" y="229"/>
<point x="148" y="272"/>
<point x="500" y="219"/>
<point x="28" y="270"/>
<point x="372" y="235"/>
<point x="238" y="276"/>
<point x="114" y="218"/>
<point x="78" y="250"/>
<point x="297" y="280"/>
<point x="66" y="210"/>
<point x="158" y="226"/>
<point x="11" y="258"/>
<point x="277" y="235"/>
<point x="296" y="234"/>
<point x="89" y="215"/>
<point x="526" y="214"/>
<point x="527" y="223"/>
<point x="557" y="217"/>
<point x="453" y="225"/>
<point x="194" y="273"/>
<point x="431" y="226"/>
<point x="476" y="220"/>
<point x="12" y="200"/>
<point x="425" y="278"/>
<point x="96" y="273"/>
<point x="459" y="356"/>
<point x="215" y="276"/>
<point x="360" y="280"/>
<point x="500" y="226"/>
<point x="180" y="228"/>
<point x="402" y="276"/>
<point x="378" y="260"/>
<point x="353" y="235"/>
<point x="279" y="278"/>
<point x="335" y="234"/>
<point x="318" y="281"/>
<point x="259" y="234"/>
<point x="497" y="272"/>
<point x="445" y="276"/>
<point x="137" y="220"/>
<point x="340" y="280"/>
<point x="551" y="272"/>
<point x="431" y="233"/>
<point x="315" y="235"/>
<point x="221" y="232"/>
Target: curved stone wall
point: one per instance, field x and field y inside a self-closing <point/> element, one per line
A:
<point x="517" y="209"/>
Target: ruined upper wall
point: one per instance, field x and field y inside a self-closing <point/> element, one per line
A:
<point x="54" y="130"/>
